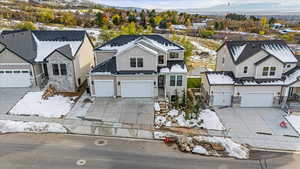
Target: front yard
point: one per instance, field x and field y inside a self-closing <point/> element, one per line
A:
<point x="32" y="104"/>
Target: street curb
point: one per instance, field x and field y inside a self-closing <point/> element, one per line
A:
<point x="275" y="150"/>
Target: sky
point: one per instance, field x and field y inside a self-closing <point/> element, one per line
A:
<point x="173" y="4"/>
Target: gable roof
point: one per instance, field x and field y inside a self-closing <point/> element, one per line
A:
<point x="242" y="50"/>
<point x="123" y="40"/>
<point x="35" y="46"/>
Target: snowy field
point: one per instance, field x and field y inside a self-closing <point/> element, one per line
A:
<point x="33" y="104"/>
<point x="206" y="119"/>
<point x="8" y="126"/>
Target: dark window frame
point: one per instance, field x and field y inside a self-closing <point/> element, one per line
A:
<point x="63" y="69"/>
<point x="173" y="81"/>
<point x="245" y="69"/>
<point x="133" y="62"/>
<point x="140" y="62"/>
<point x="161" y="59"/>
<point x="55" y="69"/>
<point x="174" y="55"/>
<point x="272" y="71"/>
<point x="179" y="80"/>
<point x="265" y="71"/>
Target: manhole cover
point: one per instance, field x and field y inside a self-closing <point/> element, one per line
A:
<point x="100" y="142"/>
<point x="80" y="162"/>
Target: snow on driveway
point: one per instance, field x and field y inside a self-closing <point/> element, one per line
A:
<point x="9" y="126"/>
<point x="33" y="104"/>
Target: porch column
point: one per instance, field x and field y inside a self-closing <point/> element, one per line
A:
<point x="285" y="97"/>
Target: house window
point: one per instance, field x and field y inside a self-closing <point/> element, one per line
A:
<point x="246" y="69"/>
<point x="179" y="80"/>
<point x="132" y="62"/>
<point x="172" y="80"/>
<point x="174" y="55"/>
<point x="272" y="71"/>
<point x="265" y="71"/>
<point x="223" y="60"/>
<point x="288" y="66"/>
<point x="55" y="69"/>
<point x="161" y="59"/>
<point x="140" y="62"/>
<point x="63" y="69"/>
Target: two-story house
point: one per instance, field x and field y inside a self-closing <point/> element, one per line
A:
<point x="139" y="66"/>
<point x="35" y="58"/>
<point x="253" y="74"/>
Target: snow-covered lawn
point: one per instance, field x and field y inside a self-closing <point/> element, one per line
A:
<point x="33" y="104"/>
<point x="294" y="121"/>
<point x="8" y="126"/>
<point x="206" y="119"/>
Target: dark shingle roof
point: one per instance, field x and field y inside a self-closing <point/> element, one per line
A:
<point x="251" y="48"/>
<point x="124" y="39"/>
<point x="23" y="44"/>
<point x="110" y="66"/>
<point x="62" y="35"/>
<point x="107" y="66"/>
<point x="66" y="50"/>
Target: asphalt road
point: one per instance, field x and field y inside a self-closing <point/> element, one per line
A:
<point x="31" y="151"/>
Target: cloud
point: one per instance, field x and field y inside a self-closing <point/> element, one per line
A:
<point x="171" y="4"/>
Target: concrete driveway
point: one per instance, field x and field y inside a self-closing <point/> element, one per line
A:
<point x="9" y="97"/>
<point x="259" y="127"/>
<point x="123" y="110"/>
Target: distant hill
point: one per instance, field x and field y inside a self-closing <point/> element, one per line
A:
<point x="248" y="8"/>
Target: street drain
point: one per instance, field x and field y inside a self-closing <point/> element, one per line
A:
<point x="100" y="142"/>
<point x="80" y="162"/>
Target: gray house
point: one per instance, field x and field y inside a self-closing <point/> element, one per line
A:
<point x="139" y="66"/>
<point x="254" y="74"/>
<point x="35" y="58"/>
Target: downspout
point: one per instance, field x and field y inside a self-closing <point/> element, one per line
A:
<point x="75" y="80"/>
<point x="33" y="73"/>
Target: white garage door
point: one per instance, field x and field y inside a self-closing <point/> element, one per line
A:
<point x="137" y="88"/>
<point x="257" y="99"/>
<point x="222" y="99"/>
<point x="104" y="88"/>
<point x="15" y="78"/>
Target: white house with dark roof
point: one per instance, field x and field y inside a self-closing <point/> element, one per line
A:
<point x="35" y="58"/>
<point x="139" y="66"/>
<point x="253" y="74"/>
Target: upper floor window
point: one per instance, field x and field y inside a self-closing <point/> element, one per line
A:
<point x="63" y="69"/>
<point x="272" y="71"/>
<point x="288" y="66"/>
<point x="55" y="69"/>
<point x="174" y="55"/>
<point x="136" y="62"/>
<point x="140" y="62"/>
<point x="246" y="69"/>
<point x="223" y="60"/>
<point x="161" y="59"/>
<point x="176" y="80"/>
<point x="265" y="71"/>
<point x="132" y="62"/>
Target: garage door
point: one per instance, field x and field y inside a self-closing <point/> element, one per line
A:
<point x="104" y="88"/>
<point x="257" y="99"/>
<point x="15" y="78"/>
<point x="137" y="88"/>
<point x="222" y="99"/>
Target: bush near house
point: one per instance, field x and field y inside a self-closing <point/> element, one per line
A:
<point x="193" y="83"/>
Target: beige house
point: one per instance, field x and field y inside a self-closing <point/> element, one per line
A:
<point x="139" y="66"/>
<point x="253" y="74"/>
<point x="38" y="58"/>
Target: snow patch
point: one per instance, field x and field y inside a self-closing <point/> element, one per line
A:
<point x="9" y="126"/>
<point x="200" y="150"/>
<point x="281" y="52"/>
<point x="237" y="51"/>
<point x="156" y="106"/>
<point x="33" y="104"/>
<point x="219" y="78"/>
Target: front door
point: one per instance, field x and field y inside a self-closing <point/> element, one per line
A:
<point x="161" y="81"/>
<point x="45" y="70"/>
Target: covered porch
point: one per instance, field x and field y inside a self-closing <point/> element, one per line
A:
<point x="291" y="97"/>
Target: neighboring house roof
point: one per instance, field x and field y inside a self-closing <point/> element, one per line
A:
<point x="35" y="46"/>
<point x="123" y="40"/>
<point x="109" y="67"/>
<point x="227" y="78"/>
<point x="173" y="66"/>
<point x="242" y="50"/>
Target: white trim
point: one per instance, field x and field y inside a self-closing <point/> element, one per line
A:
<point x="9" y="64"/>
